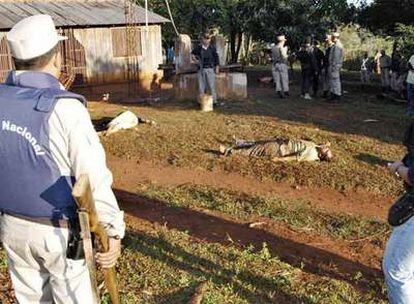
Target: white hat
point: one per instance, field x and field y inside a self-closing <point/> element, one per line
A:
<point x="33" y="37"/>
<point x="336" y="34"/>
<point x="281" y="38"/>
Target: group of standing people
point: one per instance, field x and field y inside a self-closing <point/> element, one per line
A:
<point x="392" y="69"/>
<point x="317" y="67"/>
<point x="397" y="74"/>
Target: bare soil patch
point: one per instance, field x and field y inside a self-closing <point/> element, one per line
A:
<point x="130" y="173"/>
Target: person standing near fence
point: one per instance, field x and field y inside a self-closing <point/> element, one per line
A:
<point x="396" y="59"/>
<point x="325" y="72"/>
<point x="385" y="65"/>
<point x="308" y="67"/>
<point x="336" y="58"/>
<point x="280" y="67"/>
<point x="410" y="86"/>
<point x="365" y="69"/>
<point x="318" y="57"/>
<point x="377" y="66"/>
<point x="207" y="58"/>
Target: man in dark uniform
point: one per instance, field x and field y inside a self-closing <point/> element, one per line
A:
<point x="325" y="72"/>
<point x="308" y="68"/>
<point x="318" y="58"/>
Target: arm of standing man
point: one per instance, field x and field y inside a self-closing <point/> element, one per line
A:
<point x="398" y="168"/>
<point x="87" y="156"/>
<point x="339" y="58"/>
<point x="195" y="53"/>
<point x="216" y="60"/>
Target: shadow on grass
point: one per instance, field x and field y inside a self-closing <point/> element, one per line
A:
<point x="219" y="230"/>
<point x="346" y="117"/>
<point x="372" y="159"/>
<point x="177" y="296"/>
<point x="178" y="257"/>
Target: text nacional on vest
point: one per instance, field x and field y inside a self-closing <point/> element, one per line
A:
<point x="8" y="126"/>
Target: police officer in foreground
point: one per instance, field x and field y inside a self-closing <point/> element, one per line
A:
<point x="46" y="142"/>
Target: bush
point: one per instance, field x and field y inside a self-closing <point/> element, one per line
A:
<point x="357" y="41"/>
<point x="405" y="39"/>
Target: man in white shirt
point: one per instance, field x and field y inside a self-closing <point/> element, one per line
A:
<point x="280" y="70"/>
<point x="365" y="71"/>
<point x="336" y="58"/>
<point x="46" y="142"/>
<point x="410" y="86"/>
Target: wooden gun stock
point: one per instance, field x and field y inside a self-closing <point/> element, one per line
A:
<point x="82" y="194"/>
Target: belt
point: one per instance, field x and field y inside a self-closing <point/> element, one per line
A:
<point x="208" y="67"/>
<point x="48" y="222"/>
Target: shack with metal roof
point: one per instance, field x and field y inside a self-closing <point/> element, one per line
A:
<point x="109" y="41"/>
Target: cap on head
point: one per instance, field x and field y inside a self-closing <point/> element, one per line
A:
<point x="281" y="38"/>
<point x="207" y="36"/>
<point x="33" y="37"/>
<point x="335" y="35"/>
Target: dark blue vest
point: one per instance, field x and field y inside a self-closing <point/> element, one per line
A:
<point x="30" y="180"/>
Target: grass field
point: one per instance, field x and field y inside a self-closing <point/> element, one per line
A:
<point x="252" y="230"/>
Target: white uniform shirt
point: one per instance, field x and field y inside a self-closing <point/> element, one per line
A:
<point x="364" y="64"/>
<point x="76" y="149"/>
<point x="336" y="56"/>
<point x="410" y="77"/>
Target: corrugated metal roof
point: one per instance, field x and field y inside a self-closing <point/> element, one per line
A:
<point x="74" y="14"/>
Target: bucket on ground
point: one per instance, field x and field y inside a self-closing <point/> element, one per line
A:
<point x="206" y="103"/>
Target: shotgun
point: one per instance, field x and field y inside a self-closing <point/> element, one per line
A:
<point x="89" y="221"/>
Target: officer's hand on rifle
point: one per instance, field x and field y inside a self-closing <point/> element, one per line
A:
<point x="109" y="259"/>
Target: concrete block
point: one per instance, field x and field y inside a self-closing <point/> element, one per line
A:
<point x="229" y="86"/>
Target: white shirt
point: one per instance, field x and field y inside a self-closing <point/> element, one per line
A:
<point x="364" y="64"/>
<point x="76" y="148"/>
<point x="410" y="77"/>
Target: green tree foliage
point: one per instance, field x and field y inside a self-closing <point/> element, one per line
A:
<point x="358" y="40"/>
<point x="405" y="39"/>
<point x="297" y="19"/>
<point x="383" y="16"/>
<point x="261" y="20"/>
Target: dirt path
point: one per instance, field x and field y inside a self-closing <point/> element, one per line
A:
<point x="130" y="173"/>
<point x="315" y="254"/>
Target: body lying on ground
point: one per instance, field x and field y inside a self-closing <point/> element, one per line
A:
<point x="281" y="149"/>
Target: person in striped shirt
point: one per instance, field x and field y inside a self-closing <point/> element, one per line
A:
<point x="281" y="149"/>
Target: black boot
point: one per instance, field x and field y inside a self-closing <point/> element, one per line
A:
<point x="334" y="98"/>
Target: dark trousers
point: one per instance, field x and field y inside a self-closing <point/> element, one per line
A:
<point x="306" y="81"/>
<point x="410" y="94"/>
<point x="315" y="82"/>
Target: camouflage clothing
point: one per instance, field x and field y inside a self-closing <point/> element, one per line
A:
<point x="301" y="150"/>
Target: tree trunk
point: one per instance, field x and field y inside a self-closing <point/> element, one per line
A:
<point x="233" y="53"/>
<point x="239" y="44"/>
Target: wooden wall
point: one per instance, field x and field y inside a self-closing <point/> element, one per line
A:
<point x="101" y="64"/>
<point x="6" y="63"/>
<point x="103" y="67"/>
